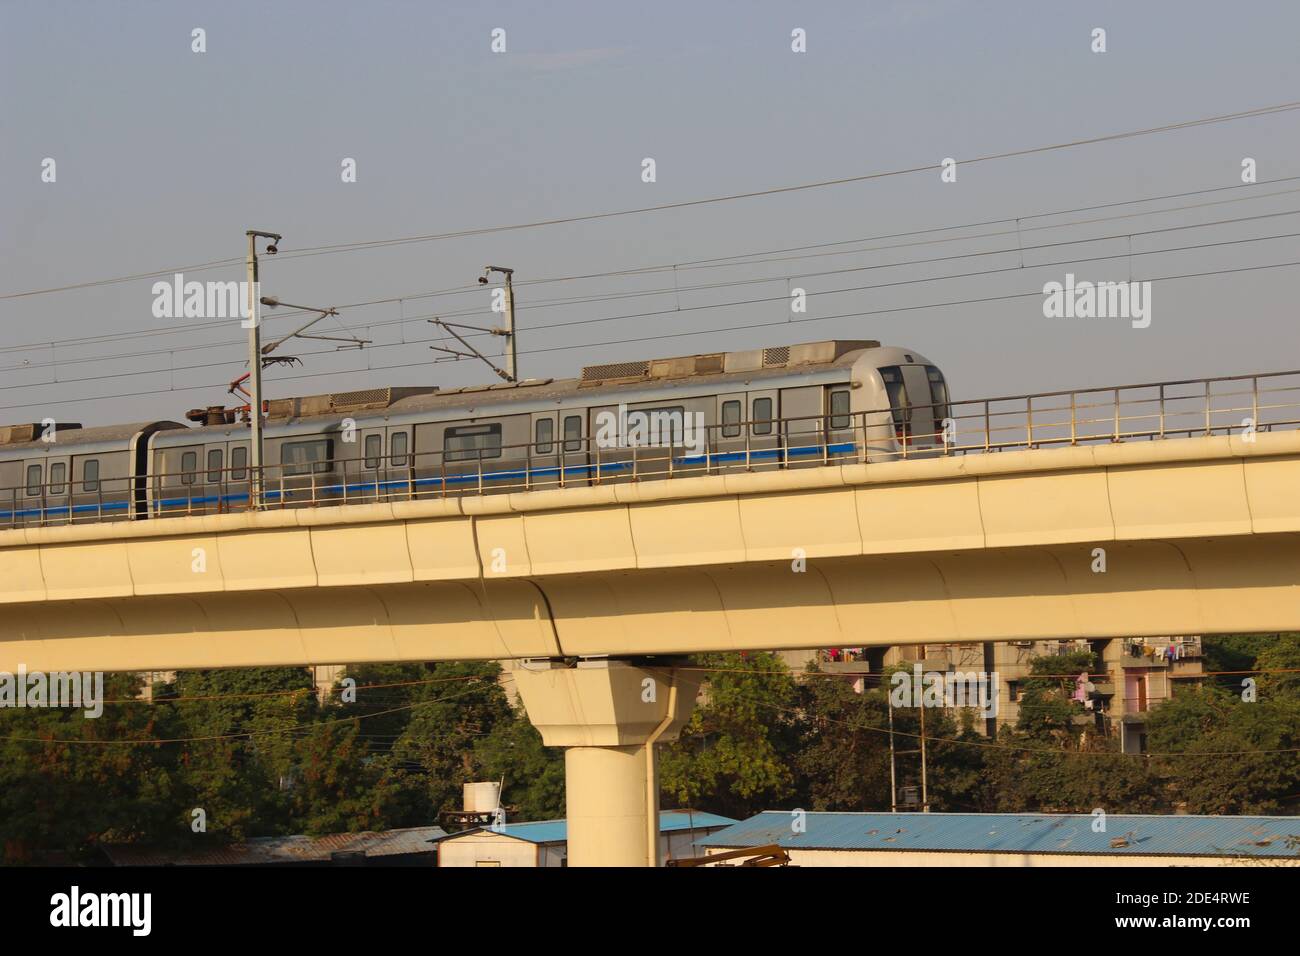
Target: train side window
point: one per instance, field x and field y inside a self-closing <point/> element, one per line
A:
<point x="573" y="433"/>
<point x="374" y="449"/>
<point x="214" y="465"/>
<point x="397" y="447"/>
<point x="58" y="477"/>
<point x="238" y="463"/>
<point x="544" y="436"/>
<point x="840" y="417"/>
<point x="34" y="480"/>
<point x="762" y="416"/>
<point x="656" y="426"/>
<point x="90" y="474"/>
<point x="471" y="442"/>
<point x="731" y="419"/>
<point x="189" y="465"/>
<point x="304" y="457"/>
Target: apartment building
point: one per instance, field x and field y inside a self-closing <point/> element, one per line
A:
<point x="1132" y="676"/>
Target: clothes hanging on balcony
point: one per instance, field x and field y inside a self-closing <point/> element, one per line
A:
<point x="1080" y="685"/>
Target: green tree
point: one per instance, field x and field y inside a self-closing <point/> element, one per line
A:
<point x="447" y="719"/>
<point x="239" y="763"/>
<point x="533" y="773"/>
<point x="733" y="755"/>
<point x="69" y="782"/>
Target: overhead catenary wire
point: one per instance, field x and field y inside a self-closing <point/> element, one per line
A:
<point x="739" y="259"/>
<point x="651" y="338"/>
<point x="610" y="297"/>
<point x="732" y="197"/>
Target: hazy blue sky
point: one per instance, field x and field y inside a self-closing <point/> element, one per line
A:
<point x="164" y="157"/>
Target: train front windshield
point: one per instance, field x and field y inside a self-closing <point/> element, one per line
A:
<point x="896" y="390"/>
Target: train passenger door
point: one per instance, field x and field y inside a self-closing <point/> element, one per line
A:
<point x="401" y="464"/>
<point x="574" y="458"/>
<point x="237" y="477"/>
<point x="841" y="435"/>
<point x="803" y="414"/>
<point x="57" y="503"/>
<point x="765" y="439"/>
<point x="367" y="482"/>
<point x="544" y="450"/>
<point x="727" y="438"/>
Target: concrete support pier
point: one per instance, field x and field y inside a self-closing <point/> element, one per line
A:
<point x="608" y="715"/>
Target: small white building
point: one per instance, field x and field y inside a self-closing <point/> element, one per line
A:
<point x="546" y="842"/>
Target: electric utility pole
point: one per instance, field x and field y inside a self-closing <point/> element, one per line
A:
<point x="255" y="366"/>
<point x="511" y="372"/>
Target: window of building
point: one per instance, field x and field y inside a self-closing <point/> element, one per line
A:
<point x="397" y="444"/>
<point x="305" y="457"/>
<point x="544" y="436"/>
<point x="189" y="465"/>
<point x="214" y="465"/>
<point x="762" y="416"/>
<point x="238" y="463"/>
<point x="471" y="442"/>
<point x="90" y="474"/>
<point x="731" y="419"/>
<point x="374" y="450"/>
<point x="58" y="477"/>
<point x="573" y="433"/>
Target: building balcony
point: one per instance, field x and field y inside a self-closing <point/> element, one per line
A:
<point x="1155" y="652"/>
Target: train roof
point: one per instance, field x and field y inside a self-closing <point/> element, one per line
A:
<point x="719" y="367"/>
<point x="27" y="436"/>
<point x="612" y="382"/>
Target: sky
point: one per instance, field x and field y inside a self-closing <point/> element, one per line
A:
<point x="163" y="157"/>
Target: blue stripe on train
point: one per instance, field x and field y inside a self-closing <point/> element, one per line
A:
<point x="374" y="487"/>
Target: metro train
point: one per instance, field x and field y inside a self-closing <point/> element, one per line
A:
<point x="784" y="407"/>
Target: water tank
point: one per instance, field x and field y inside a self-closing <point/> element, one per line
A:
<point x="482" y="797"/>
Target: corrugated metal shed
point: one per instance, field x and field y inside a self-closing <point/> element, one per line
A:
<point x="1143" y="835"/>
<point x="290" y="849"/>
<point x="557" y="831"/>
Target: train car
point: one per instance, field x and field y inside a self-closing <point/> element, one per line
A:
<point x="793" y="406"/>
<point x="787" y="407"/>
<point x="63" y="473"/>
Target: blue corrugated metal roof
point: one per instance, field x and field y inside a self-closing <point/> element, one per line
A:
<point x="556" y="831"/>
<point x="1018" y="833"/>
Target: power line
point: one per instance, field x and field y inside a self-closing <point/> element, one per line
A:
<point x="651" y="338"/>
<point x="56" y="363"/>
<point x="724" y="261"/>
<point x="732" y="197"/>
<point x="138" y="742"/>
